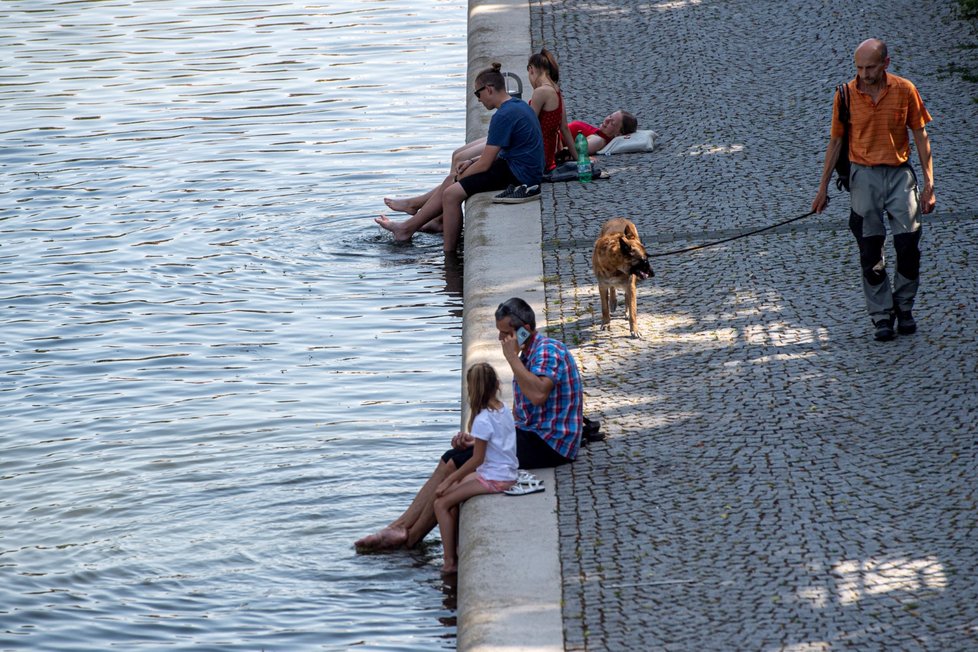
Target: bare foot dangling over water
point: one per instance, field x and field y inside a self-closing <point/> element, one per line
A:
<point x="400" y="205"/>
<point x="400" y="233"/>
<point x="388" y="538"/>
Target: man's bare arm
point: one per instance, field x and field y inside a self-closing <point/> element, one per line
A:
<point x="922" y="141"/>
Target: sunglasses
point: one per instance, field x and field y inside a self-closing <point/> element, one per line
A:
<point x="503" y="310"/>
<point x="478" y="92"/>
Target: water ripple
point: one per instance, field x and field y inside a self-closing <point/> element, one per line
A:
<point x="205" y="342"/>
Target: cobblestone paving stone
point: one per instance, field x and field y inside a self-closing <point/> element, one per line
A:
<point x="773" y="478"/>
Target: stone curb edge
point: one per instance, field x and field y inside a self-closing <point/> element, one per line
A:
<point x="509" y="583"/>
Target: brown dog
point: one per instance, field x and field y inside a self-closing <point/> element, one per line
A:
<point x="619" y="261"/>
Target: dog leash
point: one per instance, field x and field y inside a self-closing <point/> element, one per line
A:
<point x="736" y="237"/>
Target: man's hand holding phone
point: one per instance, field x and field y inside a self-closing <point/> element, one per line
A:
<point x="513" y="343"/>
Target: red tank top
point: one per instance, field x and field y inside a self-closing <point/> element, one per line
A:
<point x="550" y="126"/>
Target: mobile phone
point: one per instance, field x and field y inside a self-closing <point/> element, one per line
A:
<point x="522" y="335"/>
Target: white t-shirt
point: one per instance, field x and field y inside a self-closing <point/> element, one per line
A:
<point x="497" y="429"/>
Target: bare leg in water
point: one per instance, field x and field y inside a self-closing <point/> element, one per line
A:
<point x="412" y="205"/>
<point x="446" y="509"/>
<point x="451" y="215"/>
<point x="416" y="522"/>
<point x="445" y="201"/>
<point x="434" y="226"/>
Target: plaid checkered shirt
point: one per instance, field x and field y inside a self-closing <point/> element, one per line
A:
<point x="559" y="421"/>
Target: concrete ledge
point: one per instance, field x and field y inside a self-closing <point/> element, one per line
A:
<point x="509" y="579"/>
<point x="509" y="593"/>
<point x="509" y="590"/>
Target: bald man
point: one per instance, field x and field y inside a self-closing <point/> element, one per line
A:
<point x="882" y="109"/>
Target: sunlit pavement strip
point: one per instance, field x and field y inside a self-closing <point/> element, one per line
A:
<point x="774" y="479"/>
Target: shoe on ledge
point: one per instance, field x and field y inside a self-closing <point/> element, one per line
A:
<point x="517" y="194"/>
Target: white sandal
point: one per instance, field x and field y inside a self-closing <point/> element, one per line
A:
<point x="525" y="488"/>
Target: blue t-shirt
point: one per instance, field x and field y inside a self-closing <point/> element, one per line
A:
<point x="515" y="130"/>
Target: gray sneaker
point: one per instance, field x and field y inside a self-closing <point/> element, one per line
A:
<point x="517" y="195"/>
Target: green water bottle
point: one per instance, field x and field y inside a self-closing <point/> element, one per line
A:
<point x="583" y="160"/>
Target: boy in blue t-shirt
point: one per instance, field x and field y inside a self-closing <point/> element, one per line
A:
<point x="513" y="155"/>
<point x="515" y="130"/>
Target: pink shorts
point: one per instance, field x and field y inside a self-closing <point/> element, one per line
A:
<point x="495" y="486"/>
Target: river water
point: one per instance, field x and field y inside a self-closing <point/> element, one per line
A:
<point x="215" y="371"/>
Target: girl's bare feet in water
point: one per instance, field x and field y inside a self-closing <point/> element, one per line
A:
<point x="449" y="569"/>
<point x="400" y="205"/>
<point x="400" y="234"/>
<point x="386" y="539"/>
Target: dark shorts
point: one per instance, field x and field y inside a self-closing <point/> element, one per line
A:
<point x="531" y="451"/>
<point x="458" y="456"/>
<point x="534" y="453"/>
<point x="497" y="177"/>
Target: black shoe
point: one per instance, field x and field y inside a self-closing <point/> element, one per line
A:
<point x="592" y="430"/>
<point x="517" y="195"/>
<point x="506" y="193"/>
<point x="884" y="330"/>
<point x="905" y="323"/>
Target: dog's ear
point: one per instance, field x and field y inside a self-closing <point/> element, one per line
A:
<point x="626" y="249"/>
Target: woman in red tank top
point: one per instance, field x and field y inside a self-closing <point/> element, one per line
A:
<point x="548" y="103"/>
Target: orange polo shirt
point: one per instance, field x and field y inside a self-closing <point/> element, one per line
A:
<point x="878" y="133"/>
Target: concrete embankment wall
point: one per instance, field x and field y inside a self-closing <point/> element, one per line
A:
<point x="509" y="571"/>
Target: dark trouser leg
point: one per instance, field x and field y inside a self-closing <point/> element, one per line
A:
<point x="534" y="453"/>
<point x="876" y="284"/>
<point x="907" y="276"/>
<point x="904" y="211"/>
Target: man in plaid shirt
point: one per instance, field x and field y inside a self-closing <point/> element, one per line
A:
<point x="547" y="406"/>
<point x="548" y="398"/>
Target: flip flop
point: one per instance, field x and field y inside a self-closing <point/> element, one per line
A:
<point x="525" y="488"/>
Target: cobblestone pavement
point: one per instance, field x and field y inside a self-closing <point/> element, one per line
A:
<point x="773" y="479"/>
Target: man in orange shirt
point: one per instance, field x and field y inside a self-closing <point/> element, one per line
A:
<point x="882" y="108"/>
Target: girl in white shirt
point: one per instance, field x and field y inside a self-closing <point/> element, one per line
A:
<point x="493" y="466"/>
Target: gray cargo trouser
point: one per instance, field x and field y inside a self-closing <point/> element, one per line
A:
<point x="875" y="191"/>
